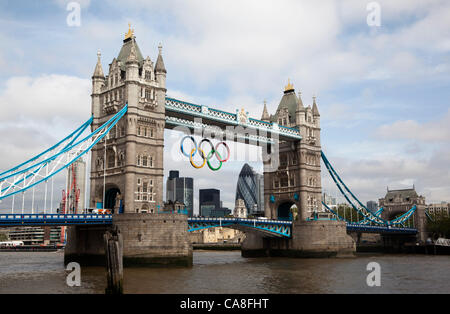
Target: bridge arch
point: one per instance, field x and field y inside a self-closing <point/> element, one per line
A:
<point x="270" y="228"/>
<point x="284" y="210"/>
<point x="112" y="192"/>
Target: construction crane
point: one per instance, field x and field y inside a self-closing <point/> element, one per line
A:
<point x="69" y="201"/>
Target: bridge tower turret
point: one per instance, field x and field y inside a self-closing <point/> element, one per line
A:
<point x="160" y="69"/>
<point x="98" y="81"/>
<point x="308" y="150"/>
<point x="297" y="179"/>
<point x="130" y="163"/>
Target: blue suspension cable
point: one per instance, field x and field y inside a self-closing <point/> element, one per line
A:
<point x="109" y="124"/>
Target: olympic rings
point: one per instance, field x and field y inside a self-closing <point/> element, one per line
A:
<point x="192" y="162"/>
<point x="206" y="158"/>
<point x="193" y="141"/>
<point x="217" y="152"/>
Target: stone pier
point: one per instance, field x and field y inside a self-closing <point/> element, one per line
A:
<point x="309" y="239"/>
<point x="148" y="240"/>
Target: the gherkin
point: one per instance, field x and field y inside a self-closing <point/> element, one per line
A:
<point x="250" y="189"/>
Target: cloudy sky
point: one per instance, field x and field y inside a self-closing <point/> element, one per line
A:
<point x="383" y="92"/>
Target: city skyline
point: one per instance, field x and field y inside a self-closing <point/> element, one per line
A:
<point x="381" y="127"/>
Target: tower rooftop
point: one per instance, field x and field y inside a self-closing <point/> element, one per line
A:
<point x="126" y="50"/>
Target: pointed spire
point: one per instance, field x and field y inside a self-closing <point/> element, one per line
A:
<point x="265" y="114"/>
<point x="98" y="72"/>
<point x="132" y="57"/>
<point x="315" y="110"/>
<point x="300" y="106"/>
<point x="130" y="33"/>
<point x="289" y="87"/>
<point x="159" y="67"/>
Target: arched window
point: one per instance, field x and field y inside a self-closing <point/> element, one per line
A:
<point x="121" y="160"/>
<point x="144" y="161"/>
<point x="99" y="163"/>
<point x="111" y="158"/>
<point x="138" y="160"/>
<point x="150" y="161"/>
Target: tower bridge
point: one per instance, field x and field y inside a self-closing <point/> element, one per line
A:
<point x="130" y="111"/>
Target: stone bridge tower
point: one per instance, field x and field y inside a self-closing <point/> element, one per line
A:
<point x="297" y="179"/>
<point x="127" y="170"/>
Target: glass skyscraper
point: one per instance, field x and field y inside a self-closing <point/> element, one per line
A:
<point x="181" y="190"/>
<point x="250" y="188"/>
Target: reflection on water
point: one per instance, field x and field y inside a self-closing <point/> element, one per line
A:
<point x="228" y="272"/>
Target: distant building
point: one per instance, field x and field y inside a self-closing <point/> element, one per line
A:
<point x="250" y="188"/>
<point x="220" y="212"/>
<point x="171" y="206"/>
<point x="76" y="185"/>
<point x="329" y="200"/>
<point x="209" y="200"/>
<point x="217" y="235"/>
<point x="180" y="190"/>
<point x="240" y="211"/>
<point x="399" y="201"/>
<point x="372" y="206"/>
<point x="35" y="235"/>
<point x="438" y="209"/>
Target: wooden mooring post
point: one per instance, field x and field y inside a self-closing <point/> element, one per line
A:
<point x="114" y="261"/>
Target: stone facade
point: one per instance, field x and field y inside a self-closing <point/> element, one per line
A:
<point x="217" y="235"/>
<point x="148" y="239"/>
<point x="438" y="209"/>
<point x="240" y="211"/>
<point x="131" y="161"/>
<point x="398" y="202"/>
<point x="297" y="179"/>
<point x="326" y="238"/>
<point x="154" y="239"/>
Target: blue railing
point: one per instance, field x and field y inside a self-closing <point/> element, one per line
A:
<point x="270" y="226"/>
<point x="54" y="219"/>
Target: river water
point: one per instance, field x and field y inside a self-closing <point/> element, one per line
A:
<point x="228" y="272"/>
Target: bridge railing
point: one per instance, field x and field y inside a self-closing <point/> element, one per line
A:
<point x="25" y="217"/>
<point x="235" y="219"/>
<point x="379" y="229"/>
<point x="227" y="117"/>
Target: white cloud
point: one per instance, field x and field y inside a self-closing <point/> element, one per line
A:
<point x="38" y="112"/>
<point x="368" y="178"/>
<point x="433" y="131"/>
<point x="230" y="55"/>
<point x="45" y="98"/>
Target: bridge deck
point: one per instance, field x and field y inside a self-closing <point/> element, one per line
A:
<point x="11" y="220"/>
<point x="257" y="132"/>
<point x="269" y="226"/>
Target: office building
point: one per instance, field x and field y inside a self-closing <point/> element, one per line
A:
<point x="250" y="188"/>
<point x="180" y="189"/>
<point x="372" y="206"/>
<point x="209" y="201"/>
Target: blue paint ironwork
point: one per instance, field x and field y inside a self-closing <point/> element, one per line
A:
<point x="9" y="220"/>
<point x="197" y="111"/>
<point x="363" y="210"/>
<point x="274" y="227"/>
<point x="30" y="172"/>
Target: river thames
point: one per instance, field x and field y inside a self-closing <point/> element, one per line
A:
<point x="227" y="272"/>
